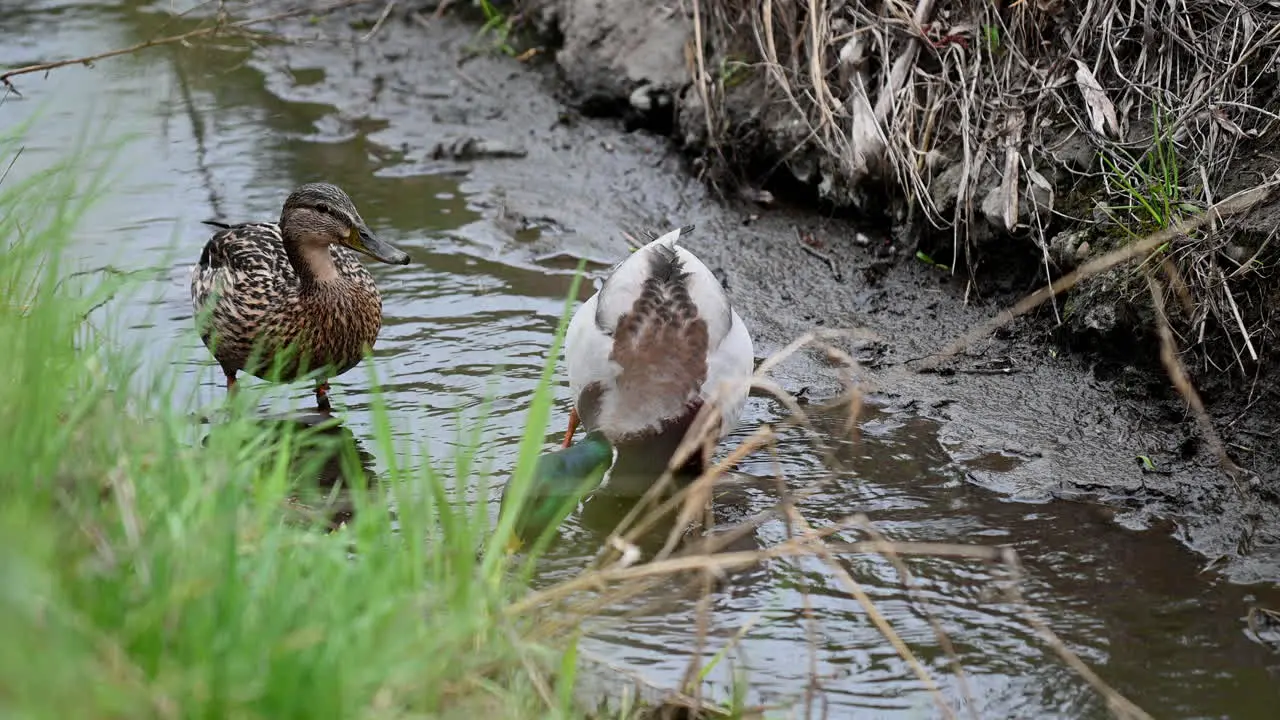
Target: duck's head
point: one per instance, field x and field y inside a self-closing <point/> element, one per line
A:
<point x="322" y="214"/>
<point x="560" y="480"/>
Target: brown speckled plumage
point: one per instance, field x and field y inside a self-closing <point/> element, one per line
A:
<point x="660" y="344"/>
<point x="268" y="303"/>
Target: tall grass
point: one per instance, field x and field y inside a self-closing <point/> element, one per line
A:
<point x="153" y="568"/>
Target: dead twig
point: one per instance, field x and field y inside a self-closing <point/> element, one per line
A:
<point x="1119" y="705"/>
<point x="386" y="12"/>
<point x="908" y="582"/>
<point x="855" y="589"/>
<point x="1182" y="383"/>
<point x="6" y="77"/>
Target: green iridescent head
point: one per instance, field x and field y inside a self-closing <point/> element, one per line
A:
<point x="560" y="480"/>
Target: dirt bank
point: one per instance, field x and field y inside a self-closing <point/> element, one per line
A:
<point x="1067" y="425"/>
<point x="1017" y="142"/>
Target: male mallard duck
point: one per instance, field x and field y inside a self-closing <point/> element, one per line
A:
<point x="656" y="342"/>
<point x="292" y="285"/>
<point x="644" y="354"/>
<point x="560" y="480"/>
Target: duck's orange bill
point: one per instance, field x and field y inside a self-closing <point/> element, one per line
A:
<point x="573" y="426"/>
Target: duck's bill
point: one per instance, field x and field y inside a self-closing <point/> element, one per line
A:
<point x="365" y="242"/>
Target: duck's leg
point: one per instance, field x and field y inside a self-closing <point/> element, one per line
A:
<point x="573" y="426"/>
<point x="322" y="397"/>
<point x="231" y="381"/>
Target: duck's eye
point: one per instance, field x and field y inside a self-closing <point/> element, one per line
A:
<point x="324" y="209"/>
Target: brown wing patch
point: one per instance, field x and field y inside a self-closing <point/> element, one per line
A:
<point x="661" y="346"/>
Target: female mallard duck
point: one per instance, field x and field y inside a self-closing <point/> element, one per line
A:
<point x="279" y="300"/>
<point x="657" y="342"/>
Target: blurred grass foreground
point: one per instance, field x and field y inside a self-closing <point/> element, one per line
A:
<point x="151" y="566"/>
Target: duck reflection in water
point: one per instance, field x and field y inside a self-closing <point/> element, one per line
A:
<point x="325" y="460"/>
<point x="587" y="490"/>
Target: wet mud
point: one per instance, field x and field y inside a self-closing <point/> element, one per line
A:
<point x="1029" y="419"/>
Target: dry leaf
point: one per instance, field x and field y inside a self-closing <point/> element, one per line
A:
<point x="1042" y="183"/>
<point x="1228" y="124"/>
<point x="1039" y="180"/>
<point x="1009" y="185"/>
<point x="1102" y="113"/>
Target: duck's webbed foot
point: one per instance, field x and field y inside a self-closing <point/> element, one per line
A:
<point x="322" y="397"/>
<point x="573" y="425"/>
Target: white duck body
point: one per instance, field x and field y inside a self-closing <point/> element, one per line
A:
<point x="658" y="340"/>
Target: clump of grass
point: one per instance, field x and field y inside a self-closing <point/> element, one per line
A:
<point x="498" y="27"/>
<point x="150" y="567"/>
<point x="1151" y="196"/>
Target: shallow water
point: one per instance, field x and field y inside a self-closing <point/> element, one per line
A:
<point x="213" y="137"/>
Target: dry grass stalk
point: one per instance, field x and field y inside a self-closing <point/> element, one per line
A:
<point x="854" y="588"/>
<point x="787" y="503"/>
<point x="618" y="584"/>
<point x="813" y="543"/>
<point x="1182" y="383"/>
<point x="701" y="437"/>
<point x="913" y="590"/>
<point x="1120" y="706"/>
<point x="609" y="585"/>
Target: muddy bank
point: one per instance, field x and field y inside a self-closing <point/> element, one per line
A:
<point x="1014" y="190"/>
<point x="1055" y="425"/>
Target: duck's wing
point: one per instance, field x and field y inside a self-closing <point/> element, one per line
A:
<point x="730" y="367"/>
<point x="244" y="265"/>
<point x="730" y="355"/>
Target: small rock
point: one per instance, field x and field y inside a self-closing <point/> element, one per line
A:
<point x="1235" y="252"/>
<point x="1100" y="317"/>
<point x="648" y="98"/>
<point x="755" y="195"/>
<point x="861" y="240"/>
<point x="945" y="187"/>
<point x="1065" y="248"/>
<point x="1074" y="152"/>
<point x="1102" y="215"/>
